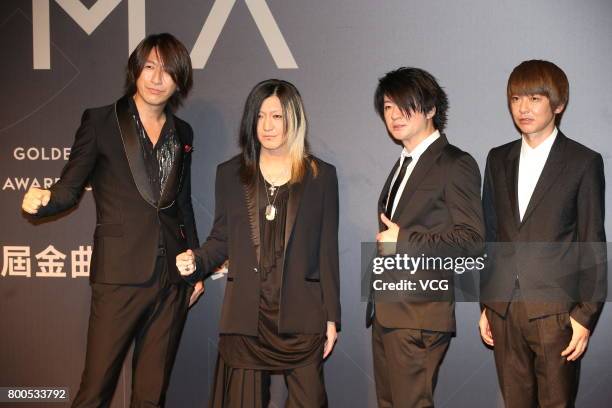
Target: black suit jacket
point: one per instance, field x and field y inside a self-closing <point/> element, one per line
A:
<point x="558" y="250"/>
<point x="439" y="210"/>
<point x="107" y="154"/>
<point x="310" y="276"/>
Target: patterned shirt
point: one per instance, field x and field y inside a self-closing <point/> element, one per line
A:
<point x="160" y="158"/>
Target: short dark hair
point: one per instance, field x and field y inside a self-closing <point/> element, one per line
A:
<point x="413" y="90"/>
<point x="175" y="58"/>
<point x="539" y="77"/>
<point x="295" y="126"/>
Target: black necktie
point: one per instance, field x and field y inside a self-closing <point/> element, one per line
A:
<point x="396" y="184"/>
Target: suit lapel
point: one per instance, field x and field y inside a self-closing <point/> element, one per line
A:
<point x="511" y="169"/>
<point x="382" y="200"/>
<point x="551" y="171"/>
<point x="172" y="185"/>
<point x="133" y="152"/>
<point x="293" y="205"/>
<point x="251" y="193"/>
<point x="422" y="167"/>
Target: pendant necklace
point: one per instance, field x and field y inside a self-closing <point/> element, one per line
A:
<point x="270" y="208"/>
<point x="274" y="191"/>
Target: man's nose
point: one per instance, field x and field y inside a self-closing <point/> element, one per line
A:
<point x="158" y="74"/>
<point x="267" y="123"/>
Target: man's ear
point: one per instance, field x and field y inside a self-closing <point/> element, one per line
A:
<point x="431" y="113"/>
<point x="559" y="109"/>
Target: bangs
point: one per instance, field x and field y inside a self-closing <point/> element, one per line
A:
<point x="526" y="85"/>
<point x="176" y="62"/>
<point x="405" y="100"/>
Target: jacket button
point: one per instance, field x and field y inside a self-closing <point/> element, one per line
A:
<point x="255" y="269"/>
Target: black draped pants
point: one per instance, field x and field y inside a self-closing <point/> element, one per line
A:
<point x="150" y="315"/>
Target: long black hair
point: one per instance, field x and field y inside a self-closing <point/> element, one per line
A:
<point x="295" y="128"/>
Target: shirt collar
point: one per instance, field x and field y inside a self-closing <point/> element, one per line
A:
<point x="543" y="148"/>
<point x="421" y="147"/>
<point x="168" y="125"/>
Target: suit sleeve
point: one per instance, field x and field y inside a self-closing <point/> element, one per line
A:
<point x="214" y="251"/>
<point x="462" y="196"/>
<point x="488" y="204"/>
<point x="185" y="203"/>
<point x="490" y="221"/>
<point x="328" y="252"/>
<point x="65" y="193"/>
<point x="591" y="233"/>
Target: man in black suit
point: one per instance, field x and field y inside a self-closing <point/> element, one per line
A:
<point x="430" y="202"/>
<point x="544" y="200"/>
<point x="136" y="155"/>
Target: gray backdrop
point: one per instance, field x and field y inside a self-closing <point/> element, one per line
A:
<point x="340" y="47"/>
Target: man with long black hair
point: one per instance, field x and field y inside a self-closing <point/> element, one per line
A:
<point x="276" y="219"/>
<point x="137" y="157"/>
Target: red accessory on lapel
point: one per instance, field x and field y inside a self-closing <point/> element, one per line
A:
<point x="187" y="148"/>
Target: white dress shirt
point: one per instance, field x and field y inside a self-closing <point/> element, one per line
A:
<point x="531" y="163"/>
<point x="415" y="154"/>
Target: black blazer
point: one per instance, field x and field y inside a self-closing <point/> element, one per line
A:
<point x="310" y="276"/>
<point x="107" y="154"/>
<point x="567" y="207"/>
<point x="439" y="209"/>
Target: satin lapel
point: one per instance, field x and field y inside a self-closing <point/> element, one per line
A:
<point x="293" y="205"/>
<point x="511" y="169"/>
<point x="425" y="163"/>
<point x="170" y="189"/>
<point x="382" y="200"/>
<point x="251" y="194"/>
<point x="551" y="171"/>
<point x="133" y="152"/>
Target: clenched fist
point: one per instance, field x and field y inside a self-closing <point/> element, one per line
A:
<point x="34" y="199"/>
<point x="185" y="262"/>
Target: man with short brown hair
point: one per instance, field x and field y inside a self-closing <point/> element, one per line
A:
<point x="544" y="202"/>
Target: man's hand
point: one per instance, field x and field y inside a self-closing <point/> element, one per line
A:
<point x="387" y="240"/>
<point x="578" y="343"/>
<point x="34" y="199"/>
<point x="185" y="262"/>
<point x="485" y="329"/>
<point x="198" y="290"/>
<point x="332" y="336"/>
<point x="390" y="235"/>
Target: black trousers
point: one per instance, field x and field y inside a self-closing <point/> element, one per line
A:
<point x="530" y="368"/>
<point x="406" y="365"/>
<point x="152" y="316"/>
<point x="248" y="388"/>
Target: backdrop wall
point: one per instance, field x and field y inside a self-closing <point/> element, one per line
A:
<point x="337" y="50"/>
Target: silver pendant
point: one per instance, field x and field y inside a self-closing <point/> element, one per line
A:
<point x="270" y="212"/>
